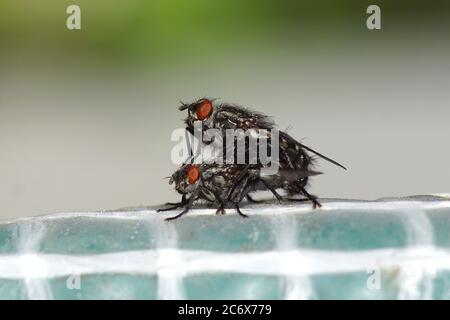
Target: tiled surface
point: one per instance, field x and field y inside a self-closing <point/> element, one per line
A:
<point x="389" y="249"/>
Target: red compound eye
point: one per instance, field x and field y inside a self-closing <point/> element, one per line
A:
<point x="204" y="109"/>
<point x="193" y="174"/>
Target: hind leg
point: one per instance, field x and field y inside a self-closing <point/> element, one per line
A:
<point x="312" y="198"/>
<point x="240" y="212"/>
<point x="274" y="192"/>
<point x="297" y="200"/>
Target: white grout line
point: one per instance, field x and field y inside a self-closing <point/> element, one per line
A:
<point x="415" y="282"/>
<point x="36" y="288"/>
<point x="301" y="262"/>
<point x="28" y="243"/>
<point x="169" y="273"/>
<point x="418" y="227"/>
<point x="285" y="231"/>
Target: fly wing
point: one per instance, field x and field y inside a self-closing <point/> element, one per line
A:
<point x="293" y="144"/>
<point x="292" y="174"/>
<point x="283" y="176"/>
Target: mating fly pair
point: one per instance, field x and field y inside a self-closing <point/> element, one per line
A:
<point x="226" y="184"/>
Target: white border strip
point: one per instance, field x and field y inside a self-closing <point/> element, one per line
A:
<point x="265" y="209"/>
<point x="302" y="262"/>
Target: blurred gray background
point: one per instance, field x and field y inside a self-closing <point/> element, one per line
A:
<point x="86" y="126"/>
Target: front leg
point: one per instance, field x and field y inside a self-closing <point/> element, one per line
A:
<point x="185" y="210"/>
<point x="173" y="205"/>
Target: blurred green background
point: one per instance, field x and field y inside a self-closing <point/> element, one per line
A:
<point x="134" y="32"/>
<point x="86" y="115"/>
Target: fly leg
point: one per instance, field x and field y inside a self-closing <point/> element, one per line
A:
<point x="297" y="200"/>
<point x="185" y="210"/>
<point x="174" y="205"/>
<point x="220" y="210"/>
<point x="312" y="198"/>
<point x="239" y="181"/>
<point x="274" y="192"/>
<point x="187" y="207"/>
<point x="240" y="212"/>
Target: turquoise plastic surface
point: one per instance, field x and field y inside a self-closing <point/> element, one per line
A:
<point x="385" y="249"/>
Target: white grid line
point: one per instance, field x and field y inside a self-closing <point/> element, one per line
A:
<point x="302" y="262"/>
<point x="29" y="239"/>
<point x="414" y="282"/>
<point x="285" y="231"/>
